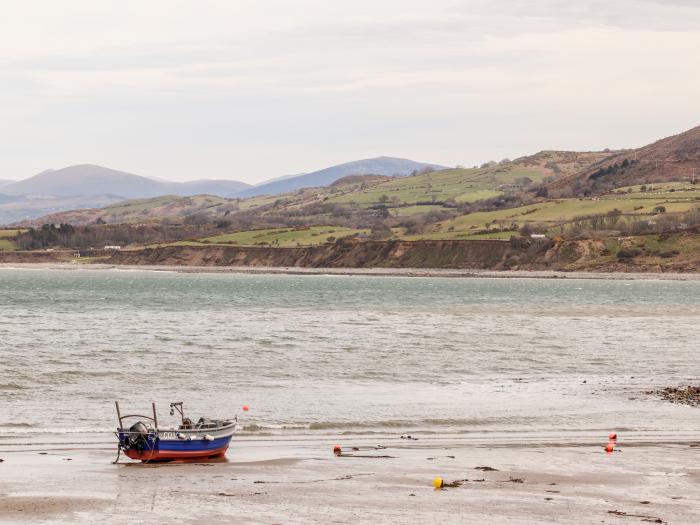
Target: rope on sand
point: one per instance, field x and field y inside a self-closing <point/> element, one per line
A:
<point x="341" y="478"/>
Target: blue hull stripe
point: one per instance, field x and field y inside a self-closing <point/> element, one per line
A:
<point x="182" y="445"/>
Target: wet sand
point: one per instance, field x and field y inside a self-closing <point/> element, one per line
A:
<point x="368" y="272"/>
<point x="298" y="480"/>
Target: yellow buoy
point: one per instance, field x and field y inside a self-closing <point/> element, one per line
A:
<point x="438" y="483"/>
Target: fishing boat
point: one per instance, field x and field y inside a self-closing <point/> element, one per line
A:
<point x="144" y="440"/>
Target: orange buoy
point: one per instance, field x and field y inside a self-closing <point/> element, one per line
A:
<point x="337" y="450"/>
<point x="609" y="448"/>
<point x="245" y="408"/>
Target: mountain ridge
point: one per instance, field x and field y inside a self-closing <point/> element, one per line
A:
<point x="91" y="179"/>
<point x="390" y="166"/>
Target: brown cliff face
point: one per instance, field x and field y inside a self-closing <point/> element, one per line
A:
<point x="518" y="254"/>
<point x="392" y="254"/>
<point x="681" y="253"/>
<point x="37" y="257"/>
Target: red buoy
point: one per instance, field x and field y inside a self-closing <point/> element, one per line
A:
<point x="245" y="408"/>
<point x="609" y="448"/>
<point x="337" y="450"/>
<point x="612" y="436"/>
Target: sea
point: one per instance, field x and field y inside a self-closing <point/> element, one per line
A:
<point x="314" y="355"/>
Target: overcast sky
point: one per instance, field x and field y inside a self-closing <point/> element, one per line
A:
<point x="256" y="89"/>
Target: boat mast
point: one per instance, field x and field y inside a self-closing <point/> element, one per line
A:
<point x="177" y="406"/>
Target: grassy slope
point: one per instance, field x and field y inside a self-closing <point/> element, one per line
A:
<point x="137" y="210"/>
<point x="462" y="185"/>
<point x="141" y="210"/>
<point x="674" y="158"/>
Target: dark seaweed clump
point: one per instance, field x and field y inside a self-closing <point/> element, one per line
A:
<point x="689" y="395"/>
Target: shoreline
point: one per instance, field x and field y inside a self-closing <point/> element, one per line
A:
<point x="365" y="272"/>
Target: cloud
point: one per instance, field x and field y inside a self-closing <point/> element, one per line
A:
<point x="183" y="89"/>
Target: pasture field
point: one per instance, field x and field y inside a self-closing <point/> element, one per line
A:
<point x="467" y="235"/>
<point x="668" y="190"/>
<point x="462" y="185"/>
<point x="410" y="211"/>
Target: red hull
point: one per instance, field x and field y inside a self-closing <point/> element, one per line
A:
<point x="173" y="455"/>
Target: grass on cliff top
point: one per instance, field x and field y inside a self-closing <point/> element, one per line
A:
<point x="278" y="237"/>
<point x="7" y="243"/>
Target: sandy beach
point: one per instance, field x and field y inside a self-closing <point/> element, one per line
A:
<point x="367" y="272"/>
<point x="503" y="479"/>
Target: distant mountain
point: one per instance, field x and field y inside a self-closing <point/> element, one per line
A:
<point x="88" y="179"/>
<point x="137" y="211"/>
<point x="8" y="198"/>
<point x="282" y="177"/>
<point x="220" y="188"/>
<point x="388" y="166"/>
<point x="675" y="158"/>
<point x="16" y="208"/>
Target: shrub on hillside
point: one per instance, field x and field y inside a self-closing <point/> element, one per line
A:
<point x="626" y="254"/>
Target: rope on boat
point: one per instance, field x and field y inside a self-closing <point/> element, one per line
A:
<point x="119" y="451"/>
<point x="153" y="448"/>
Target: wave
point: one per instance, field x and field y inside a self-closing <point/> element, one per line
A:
<point x="402" y="423"/>
<point x="385" y="424"/>
<point x="16" y="425"/>
<point x="28" y="428"/>
<point x="12" y="386"/>
<point x="253" y="428"/>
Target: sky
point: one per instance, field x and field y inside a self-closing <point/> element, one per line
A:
<point x="255" y="89"/>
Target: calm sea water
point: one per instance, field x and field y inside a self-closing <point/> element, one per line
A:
<point x="314" y="354"/>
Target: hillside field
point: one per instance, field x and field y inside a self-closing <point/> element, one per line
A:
<point x="553" y="214"/>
